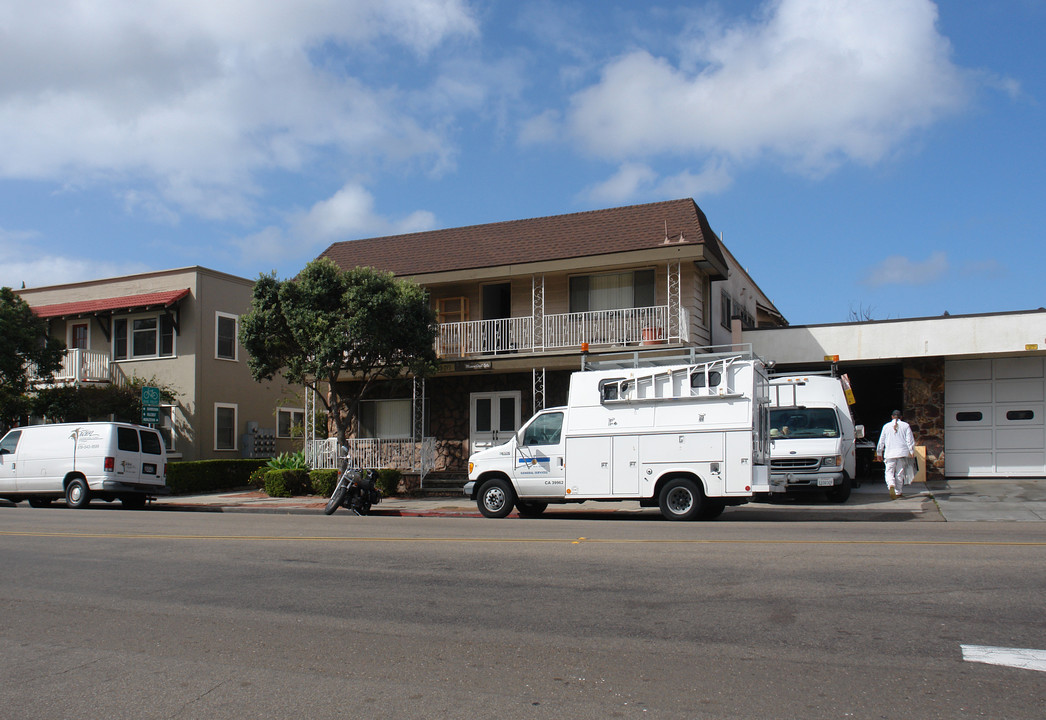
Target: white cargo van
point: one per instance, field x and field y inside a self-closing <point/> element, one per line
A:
<point x="690" y="439"/>
<point x="81" y="461"/>
<point x="812" y="436"/>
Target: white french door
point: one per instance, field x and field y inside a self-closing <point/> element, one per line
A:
<point x="493" y="417"/>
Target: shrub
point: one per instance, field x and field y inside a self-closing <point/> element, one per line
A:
<point x="210" y="475"/>
<point x="257" y="478"/>
<point x="388" y="481"/>
<point x="323" y="482"/>
<point x="286" y="483"/>
<point x="288" y="461"/>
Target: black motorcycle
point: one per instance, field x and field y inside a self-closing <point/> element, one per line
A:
<point x="355" y="490"/>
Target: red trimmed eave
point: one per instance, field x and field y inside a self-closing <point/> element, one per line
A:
<point x="128" y="302"/>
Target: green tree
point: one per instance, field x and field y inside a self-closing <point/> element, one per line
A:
<point x="70" y="403"/>
<point x="328" y="326"/>
<point x="25" y="348"/>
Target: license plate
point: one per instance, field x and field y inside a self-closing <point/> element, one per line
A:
<point x="825" y="482"/>
<point x="148" y="468"/>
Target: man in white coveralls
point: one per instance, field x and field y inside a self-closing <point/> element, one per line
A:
<point x="896" y="446"/>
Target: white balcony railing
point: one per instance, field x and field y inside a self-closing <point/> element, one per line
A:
<point x="633" y="326"/>
<point x="81" y="366"/>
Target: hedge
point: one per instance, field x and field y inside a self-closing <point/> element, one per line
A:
<point x="198" y="476"/>
<point x="287" y="483"/>
<point x="322" y="482"/>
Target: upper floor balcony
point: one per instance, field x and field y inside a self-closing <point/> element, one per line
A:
<point x="598" y="329"/>
<point x="83" y="366"/>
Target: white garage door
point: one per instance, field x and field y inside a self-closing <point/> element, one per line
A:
<point x="994" y="417"/>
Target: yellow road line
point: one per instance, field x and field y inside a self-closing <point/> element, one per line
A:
<point x="572" y="541"/>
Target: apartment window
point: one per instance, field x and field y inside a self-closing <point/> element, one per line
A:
<point x="385" y="418"/>
<point x="225" y="336"/>
<point x="166" y="427"/>
<point x="79" y="339"/>
<point x="224" y="426"/>
<point x="612" y="291"/>
<point x="290" y="422"/>
<point x="725" y="308"/>
<point x="142" y="337"/>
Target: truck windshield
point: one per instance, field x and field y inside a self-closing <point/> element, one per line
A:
<point x="803" y="423"/>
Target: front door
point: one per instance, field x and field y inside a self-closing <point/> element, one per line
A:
<point x="493" y="418"/>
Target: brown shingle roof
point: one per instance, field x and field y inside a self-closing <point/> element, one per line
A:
<point x="559" y="237"/>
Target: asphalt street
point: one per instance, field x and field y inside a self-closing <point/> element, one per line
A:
<point x="197" y="615"/>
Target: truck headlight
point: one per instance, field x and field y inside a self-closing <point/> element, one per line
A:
<point x="471" y="465"/>
<point x="832" y="461"/>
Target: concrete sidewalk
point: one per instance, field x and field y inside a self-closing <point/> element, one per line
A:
<point x="1022" y="500"/>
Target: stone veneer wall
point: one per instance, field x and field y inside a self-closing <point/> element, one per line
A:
<point x="924" y="410"/>
<point x="448" y="408"/>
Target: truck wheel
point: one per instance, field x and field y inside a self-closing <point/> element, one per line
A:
<point x="839" y="493"/>
<point x="530" y="508"/>
<point x="495" y="498"/>
<point x="77" y="494"/>
<point x="680" y="499"/>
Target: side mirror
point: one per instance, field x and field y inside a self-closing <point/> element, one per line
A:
<point x="858" y="431"/>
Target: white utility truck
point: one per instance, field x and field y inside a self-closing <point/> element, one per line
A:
<point x="81" y="461"/>
<point x="688" y="438"/>
<point x="812" y="436"/>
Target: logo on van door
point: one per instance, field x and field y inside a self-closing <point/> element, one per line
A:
<point x="86" y="438"/>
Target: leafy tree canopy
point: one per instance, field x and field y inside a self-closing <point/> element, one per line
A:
<point x="329" y="325"/>
<point x="26" y="346"/>
<point x="79" y="404"/>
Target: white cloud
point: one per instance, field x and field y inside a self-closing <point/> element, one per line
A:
<point x="24" y="264"/>
<point x="814" y="82"/>
<point x="201" y="97"/>
<point x="640" y="180"/>
<point x="900" y="270"/>
<point x="347" y="214"/>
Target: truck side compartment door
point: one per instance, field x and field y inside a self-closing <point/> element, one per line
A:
<point x="625" y="465"/>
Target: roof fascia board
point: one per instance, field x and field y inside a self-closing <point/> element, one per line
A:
<point x="674" y="251"/>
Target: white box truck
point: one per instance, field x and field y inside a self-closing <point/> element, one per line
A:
<point x="812" y="436"/>
<point x="80" y="461"/>
<point x="689" y="439"/>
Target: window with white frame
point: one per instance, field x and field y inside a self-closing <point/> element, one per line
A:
<point x="612" y="291"/>
<point x="290" y="422"/>
<point x="225" y="426"/>
<point x="386" y="418"/>
<point x="166" y="427"/>
<point x="225" y="336"/>
<point x="140" y="337"/>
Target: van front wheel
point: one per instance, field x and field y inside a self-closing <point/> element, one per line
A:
<point x="680" y="499"/>
<point x="495" y="499"/>
<point x="77" y="494"/>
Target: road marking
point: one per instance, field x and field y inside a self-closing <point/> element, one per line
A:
<point x="1022" y="658"/>
<point x="503" y="540"/>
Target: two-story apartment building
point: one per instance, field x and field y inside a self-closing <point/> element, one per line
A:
<point x="178" y="328"/>
<point x="518" y="303"/>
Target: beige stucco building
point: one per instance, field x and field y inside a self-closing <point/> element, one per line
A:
<point x="179" y="329"/>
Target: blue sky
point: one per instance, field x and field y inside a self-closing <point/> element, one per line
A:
<point x="861" y="158"/>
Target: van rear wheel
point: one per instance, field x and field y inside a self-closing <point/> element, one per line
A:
<point x="680" y="499"/>
<point x="77" y="494"/>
